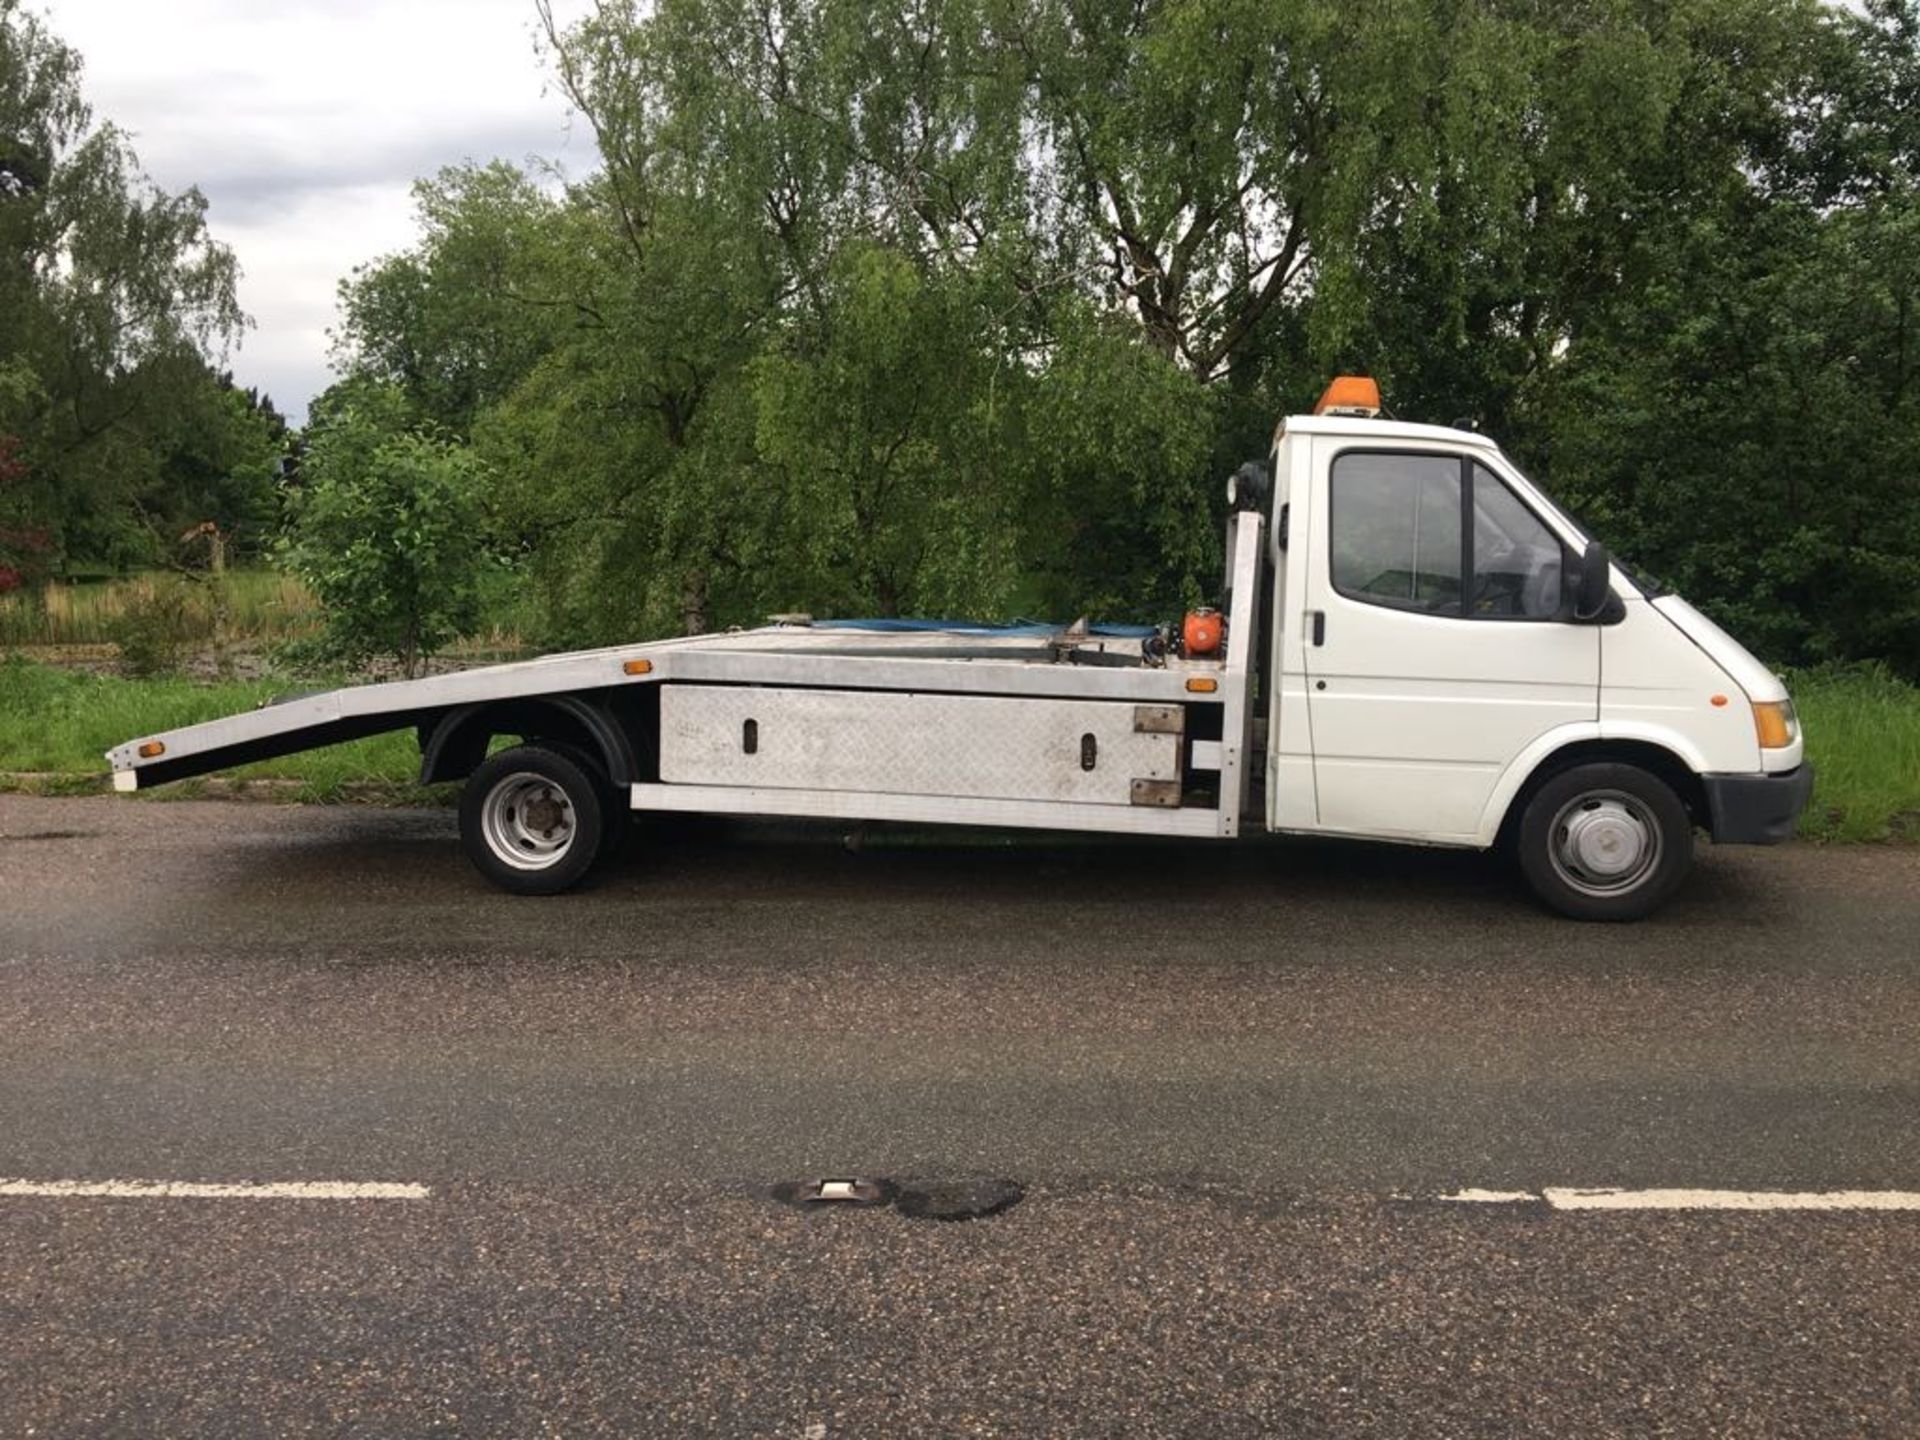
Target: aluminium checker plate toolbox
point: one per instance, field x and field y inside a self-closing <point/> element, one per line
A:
<point x="1091" y="752"/>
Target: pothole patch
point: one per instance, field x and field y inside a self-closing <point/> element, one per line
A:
<point x="958" y="1199"/>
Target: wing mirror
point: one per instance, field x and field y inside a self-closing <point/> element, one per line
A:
<point x="1592" y="577"/>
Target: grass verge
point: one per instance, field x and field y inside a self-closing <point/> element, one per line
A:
<point x="60" y="723"/>
<point x="1863" y="737"/>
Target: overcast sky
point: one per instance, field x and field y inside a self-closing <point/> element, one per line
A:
<point x="304" y="122"/>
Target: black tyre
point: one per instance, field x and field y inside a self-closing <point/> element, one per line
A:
<point x="532" y="820"/>
<point x="1604" y="842"/>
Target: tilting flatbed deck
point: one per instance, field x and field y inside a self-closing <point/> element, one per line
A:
<point x="938" y="677"/>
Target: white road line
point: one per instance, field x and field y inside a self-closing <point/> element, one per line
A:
<point x="1569" y="1198"/>
<point x="1563" y="1199"/>
<point x="190" y="1190"/>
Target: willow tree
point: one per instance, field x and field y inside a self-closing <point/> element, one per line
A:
<point x="118" y="303"/>
<point x="969" y="302"/>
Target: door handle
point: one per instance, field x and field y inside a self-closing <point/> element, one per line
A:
<point x="1318" y="619"/>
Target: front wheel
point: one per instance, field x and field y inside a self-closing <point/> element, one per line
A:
<point x="1605" y="842"/>
<point x="532" y="819"/>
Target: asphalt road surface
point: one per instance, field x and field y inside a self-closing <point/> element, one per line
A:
<point x="1203" y="1106"/>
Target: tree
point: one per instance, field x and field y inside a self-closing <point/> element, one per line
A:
<point x="870" y="432"/>
<point x="455" y="323"/>
<point x="1742" y="415"/>
<point x="23" y="546"/>
<point x="389" y="532"/>
<point x="217" y="464"/>
<point x="115" y="299"/>
<point x="968" y="303"/>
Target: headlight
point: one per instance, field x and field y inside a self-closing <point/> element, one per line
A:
<point x="1774" y="722"/>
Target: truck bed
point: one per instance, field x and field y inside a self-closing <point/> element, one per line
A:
<point x="792" y="654"/>
<point x="1027" y="661"/>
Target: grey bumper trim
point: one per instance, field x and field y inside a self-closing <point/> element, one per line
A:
<point x="1757" y="809"/>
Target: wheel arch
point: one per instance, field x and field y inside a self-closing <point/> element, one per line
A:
<point x="452" y="746"/>
<point x="1535" y="768"/>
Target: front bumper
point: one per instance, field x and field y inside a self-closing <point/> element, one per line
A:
<point x="1757" y="809"/>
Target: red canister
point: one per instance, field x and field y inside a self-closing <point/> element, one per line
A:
<point x="1202" y="631"/>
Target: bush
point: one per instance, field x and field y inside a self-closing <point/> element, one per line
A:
<point x="389" y="533"/>
<point x="158" y="620"/>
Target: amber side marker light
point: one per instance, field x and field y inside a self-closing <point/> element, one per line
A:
<point x="152" y="749"/>
<point x="638" y="667"/>
<point x="1773" y="723"/>
<point x="1718" y="701"/>
<point x="1203" y="685"/>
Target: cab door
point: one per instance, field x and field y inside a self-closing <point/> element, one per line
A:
<point x="1436" y="640"/>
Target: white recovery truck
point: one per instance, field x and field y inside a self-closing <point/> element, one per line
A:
<point x="1419" y="646"/>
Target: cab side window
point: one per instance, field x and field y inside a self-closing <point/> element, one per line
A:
<point x="1396" y="530"/>
<point x="1516" y="559"/>
<point x="1405" y="526"/>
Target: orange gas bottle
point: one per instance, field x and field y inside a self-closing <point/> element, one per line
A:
<point x="1202" y="631"/>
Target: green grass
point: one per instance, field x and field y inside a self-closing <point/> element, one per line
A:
<point x="258" y="603"/>
<point x="1863" y="736"/>
<point x="62" y="721"/>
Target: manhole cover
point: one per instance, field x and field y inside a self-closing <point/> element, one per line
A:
<point x="834" y="1194"/>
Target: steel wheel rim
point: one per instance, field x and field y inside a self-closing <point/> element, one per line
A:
<point x="528" y="821"/>
<point x="1605" y="843"/>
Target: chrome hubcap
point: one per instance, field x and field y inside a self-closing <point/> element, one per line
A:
<point x="528" y="821"/>
<point x="1605" y="843"/>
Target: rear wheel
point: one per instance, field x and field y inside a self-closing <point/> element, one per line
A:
<point x="532" y="820"/>
<point x="1605" y="842"/>
<point x="616" y="818"/>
